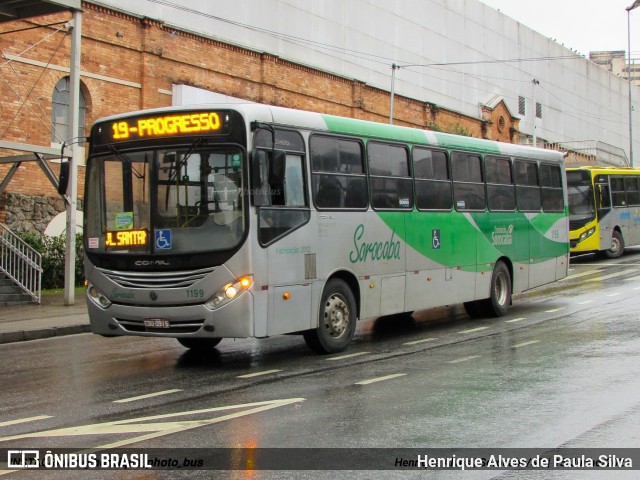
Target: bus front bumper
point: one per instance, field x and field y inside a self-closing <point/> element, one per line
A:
<point x="233" y="320"/>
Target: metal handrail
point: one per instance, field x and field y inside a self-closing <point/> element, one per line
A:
<point x="21" y="263"/>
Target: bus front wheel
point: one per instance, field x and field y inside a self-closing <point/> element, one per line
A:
<point x="199" y="344"/>
<point x="336" y="319"/>
<point x="617" y="245"/>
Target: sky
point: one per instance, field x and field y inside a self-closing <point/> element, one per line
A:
<point x="581" y="25"/>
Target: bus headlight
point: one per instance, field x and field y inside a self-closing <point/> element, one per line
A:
<point x="98" y="297"/>
<point x="587" y="234"/>
<point x="229" y="292"/>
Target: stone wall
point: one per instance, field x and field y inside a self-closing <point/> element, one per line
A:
<point x="30" y="213"/>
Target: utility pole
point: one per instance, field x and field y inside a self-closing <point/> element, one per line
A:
<point x="636" y="4"/>
<point x="72" y="192"/>
<point x="394" y="67"/>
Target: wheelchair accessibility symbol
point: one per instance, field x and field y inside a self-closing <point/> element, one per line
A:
<point x="435" y="239"/>
<point x="163" y="239"/>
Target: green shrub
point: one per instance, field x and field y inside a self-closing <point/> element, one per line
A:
<point x="52" y="250"/>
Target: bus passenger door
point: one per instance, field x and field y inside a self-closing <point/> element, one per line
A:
<point x="283" y="232"/>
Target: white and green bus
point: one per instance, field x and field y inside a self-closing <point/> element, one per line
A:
<point x="228" y="221"/>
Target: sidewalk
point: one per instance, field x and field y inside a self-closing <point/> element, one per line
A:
<point x="49" y="319"/>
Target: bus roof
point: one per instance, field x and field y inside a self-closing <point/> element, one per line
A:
<point x="363" y="128"/>
<point x="599" y="169"/>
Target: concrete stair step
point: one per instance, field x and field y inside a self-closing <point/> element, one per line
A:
<point x="14" y="299"/>
<point x="11" y="294"/>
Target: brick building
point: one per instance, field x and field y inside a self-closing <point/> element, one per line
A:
<point x="131" y="62"/>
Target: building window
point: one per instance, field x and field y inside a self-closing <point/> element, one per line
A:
<point x="522" y="110"/>
<point x="60" y="101"/>
<point x="538" y="110"/>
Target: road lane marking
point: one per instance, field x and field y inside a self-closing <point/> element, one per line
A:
<point x="257" y="374"/>
<point x="380" y="379"/>
<point x="614" y="294"/>
<point x="612" y="275"/>
<point x="24" y="420"/>
<point x="351" y="355"/>
<point x="156" y="429"/>
<point x="148" y="395"/>
<point x="416" y="342"/>
<point x="554" y="310"/>
<point x="524" y="344"/>
<point x="637" y="288"/>
<point x="474" y="330"/>
<point x="581" y="274"/>
<point x="464" y="359"/>
<point x="519" y="319"/>
<point x="585" y="302"/>
<point x="632" y="279"/>
<point x="610" y="264"/>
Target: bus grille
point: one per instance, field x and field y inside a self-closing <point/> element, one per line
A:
<point x="175" y="326"/>
<point x="576" y="224"/>
<point x="155" y="280"/>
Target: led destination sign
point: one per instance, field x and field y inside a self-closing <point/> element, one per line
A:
<point x="167" y="125"/>
<point x="126" y="238"/>
<point x="163" y="125"/>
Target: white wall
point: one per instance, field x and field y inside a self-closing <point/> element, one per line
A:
<point x="362" y="38"/>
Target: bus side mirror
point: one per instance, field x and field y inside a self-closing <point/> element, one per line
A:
<point x="277" y="167"/>
<point x="63" y="178"/>
<point x="259" y="187"/>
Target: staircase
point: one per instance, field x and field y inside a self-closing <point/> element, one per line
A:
<point x="20" y="270"/>
<point x="11" y="294"/>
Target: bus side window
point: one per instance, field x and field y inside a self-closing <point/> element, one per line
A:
<point x="603" y="200"/>
<point x="390" y="176"/>
<point x="631" y="187"/>
<point x="468" y="184"/>
<point x="432" y="179"/>
<point x="527" y="188"/>
<point x="339" y="180"/>
<point x="501" y="195"/>
<point x="617" y="192"/>
<point x="551" y="186"/>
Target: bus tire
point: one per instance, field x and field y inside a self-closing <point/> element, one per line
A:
<point x="336" y="319"/>
<point x="497" y="305"/>
<point x="617" y="245"/>
<point x="199" y="344"/>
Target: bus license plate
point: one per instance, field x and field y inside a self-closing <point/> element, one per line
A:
<point x="156" y="323"/>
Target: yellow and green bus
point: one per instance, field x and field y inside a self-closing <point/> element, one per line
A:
<point x="604" y="205"/>
<point x="227" y="221"/>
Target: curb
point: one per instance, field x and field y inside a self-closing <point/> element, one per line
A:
<point x="27" y="335"/>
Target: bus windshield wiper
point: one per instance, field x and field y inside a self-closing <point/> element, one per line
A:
<point x="124" y="159"/>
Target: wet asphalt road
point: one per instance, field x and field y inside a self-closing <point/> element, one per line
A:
<point x="560" y="370"/>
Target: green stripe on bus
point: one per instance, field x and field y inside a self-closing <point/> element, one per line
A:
<point x="511" y="235"/>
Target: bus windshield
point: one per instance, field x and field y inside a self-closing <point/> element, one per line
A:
<point x="170" y="200"/>
<point x="582" y="209"/>
<point x="581" y="204"/>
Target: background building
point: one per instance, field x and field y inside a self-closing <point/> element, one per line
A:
<point x="616" y="62"/>
<point x="457" y="66"/>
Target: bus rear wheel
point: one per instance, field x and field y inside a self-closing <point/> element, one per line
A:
<point x="498" y="303"/>
<point x="199" y="344"/>
<point x="336" y="319"/>
<point x="617" y="245"/>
